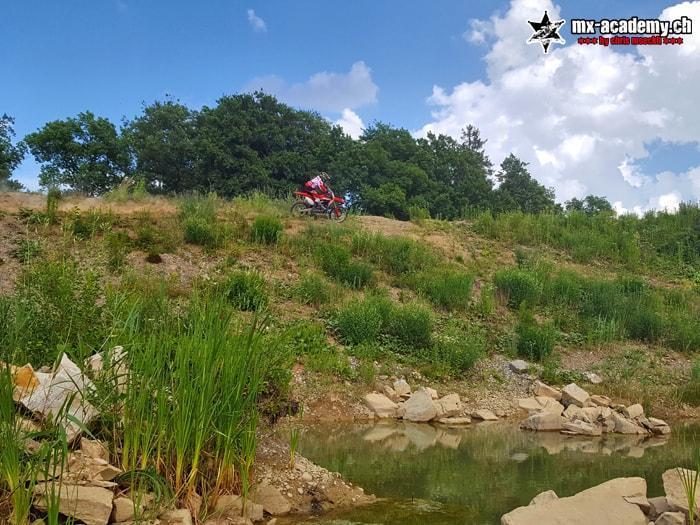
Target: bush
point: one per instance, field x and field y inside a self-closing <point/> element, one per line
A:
<point x="535" y="341"/>
<point x="359" y="321"/>
<point x="266" y="230"/>
<point x="518" y="287"/>
<point x="459" y="352"/>
<point x="336" y="263"/>
<point x="690" y="391"/>
<point x="200" y="223"/>
<point x="313" y="289"/>
<point x="395" y="255"/>
<point x="411" y="324"/>
<point x="447" y="289"/>
<point x="246" y="290"/>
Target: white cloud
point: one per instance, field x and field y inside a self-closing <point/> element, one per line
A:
<point x="324" y="91"/>
<point x="351" y="123"/>
<point x="581" y="115"/>
<point x="257" y="23"/>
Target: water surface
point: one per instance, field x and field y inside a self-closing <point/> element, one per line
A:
<point x="437" y="475"/>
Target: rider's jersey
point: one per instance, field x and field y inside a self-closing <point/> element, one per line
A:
<point x="317" y="184"/>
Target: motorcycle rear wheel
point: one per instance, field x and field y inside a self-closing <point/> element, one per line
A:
<point x="300" y="209"/>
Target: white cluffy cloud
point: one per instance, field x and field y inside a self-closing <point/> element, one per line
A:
<point x="257" y="23"/>
<point x="351" y="123"/>
<point x="581" y="115"/>
<point x="324" y="91"/>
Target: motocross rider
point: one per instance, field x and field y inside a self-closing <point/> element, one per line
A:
<point x="317" y="187"/>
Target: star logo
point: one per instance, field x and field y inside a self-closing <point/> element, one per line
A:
<point x="545" y="32"/>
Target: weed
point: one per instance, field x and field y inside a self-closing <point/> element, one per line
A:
<point x="246" y="290"/>
<point x="53" y="198"/>
<point x="395" y="255"/>
<point x="117" y="243"/>
<point x="335" y="262"/>
<point x="266" y="230"/>
<point x="27" y="250"/>
<point x="361" y="321"/>
<point x="200" y="223"/>
<point x="448" y="289"/>
<point x="314" y="289"/>
<point x="518" y="287"/>
<point x="535" y="341"/>
<point x="411" y="324"/>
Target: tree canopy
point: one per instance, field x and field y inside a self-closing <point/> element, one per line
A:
<point x="251" y="141"/>
<point x="11" y="154"/>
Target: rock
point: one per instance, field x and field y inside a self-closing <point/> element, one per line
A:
<point x="449" y="406"/>
<point x="529" y="404"/>
<point x="583" y="428"/>
<point x="601" y="401"/>
<point x="519" y="366"/>
<point x="401" y="387"/>
<point x="485" y="415"/>
<point x="624" y="426"/>
<point x="600" y="505"/>
<point x="572" y="394"/>
<point x="381" y="405"/>
<point x="634" y="411"/>
<point x="543" y="390"/>
<point x="230" y="506"/>
<point x="573" y="412"/>
<point x="455" y="421"/>
<point x="122" y="509"/>
<point x="544" y="497"/>
<point x="94" y="449"/>
<point x="641" y="501"/>
<point x="673" y="488"/>
<point x="420" y="407"/>
<point x="433" y="393"/>
<point x="671" y="518"/>
<point x="659" y="426"/>
<point x="543" y="421"/>
<point x="176" y="517"/>
<point x="58" y="398"/>
<point x="91" y="505"/>
<point x="272" y="500"/>
<point x="593" y="378"/>
<point x="390" y="393"/>
<point x="657" y="506"/>
<point x="550" y="405"/>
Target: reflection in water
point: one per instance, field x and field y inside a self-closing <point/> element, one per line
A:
<point x="433" y="474"/>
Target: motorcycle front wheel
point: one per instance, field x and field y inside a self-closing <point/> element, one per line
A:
<point x="337" y="213"/>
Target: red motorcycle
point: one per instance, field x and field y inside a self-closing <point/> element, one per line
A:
<point x="316" y="204"/>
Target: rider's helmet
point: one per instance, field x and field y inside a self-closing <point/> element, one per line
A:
<point x="324" y="176"/>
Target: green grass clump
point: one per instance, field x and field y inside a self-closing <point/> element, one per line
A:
<point x="314" y="289"/>
<point x="266" y="230"/>
<point x="448" y="289"/>
<point x="200" y="223"/>
<point x="246" y="290"/>
<point x="518" y="286"/>
<point x="457" y="351"/>
<point x="362" y="321"/>
<point x="335" y="261"/>
<point x="394" y="255"/>
<point x="690" y="391"/>
<point x="411" y="324"/>
<point x="535" y="341"/>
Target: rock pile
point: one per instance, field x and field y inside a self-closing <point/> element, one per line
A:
<point x="399" y="401"/>
<point x="573" y="411"/>
<point x="621" y="501"/>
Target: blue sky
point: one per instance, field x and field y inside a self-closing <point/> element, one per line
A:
<point x="378" y="59"/>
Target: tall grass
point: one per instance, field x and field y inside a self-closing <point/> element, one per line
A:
<point x="394" y="255"/>
<point x="200" y="223"/>
<point x="336" y="262"/>
<point x="445" y="288"/>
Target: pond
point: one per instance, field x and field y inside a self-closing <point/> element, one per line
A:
<point x="436" y="475"/>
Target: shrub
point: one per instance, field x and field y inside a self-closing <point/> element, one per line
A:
<point x="362" y="321"/>
<point x="335" y="262"/>
<point x="690" y="391"/>
<point x="411" y="324"/>
<point x="313" y="289"/>
<point x="395" y="255"/>
<point x="535" y="341"/>
<point x="518" y="286"/>
<point x="200" y="223"/>
<point x="246" y="290"/>
<point x="266" y="230"/>
<point x="459" y="352"/>
<point x="447" y="289"/>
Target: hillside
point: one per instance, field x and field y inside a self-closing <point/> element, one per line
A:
<point x="336" y="311"/>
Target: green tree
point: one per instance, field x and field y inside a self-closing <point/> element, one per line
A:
<point x="11" y="155"/>
<point x="590" y="205"/>
<point x="518" y="190"/>
<point x="85" y="153"/>
<point x="163" y="140"/>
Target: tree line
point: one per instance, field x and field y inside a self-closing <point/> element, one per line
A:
<point x="249" y="142"/>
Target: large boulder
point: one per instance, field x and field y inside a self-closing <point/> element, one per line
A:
<point x="580" y="427"/>
<point x="402" y="388"/>
<point x="419" y="407"/>
<point x="673" y="488"/>
<point x="572" y="394"/>
<point x="485" y="415"/>
<point x="625" y="426"/>
<point x="634" y="411"/>
<point x="272" y="500"/>
<point x="541" y="389"/>
<point x="529" y="404"/>
<point x="447" y="406"/>
<point x="544" y="497"/>
<point x="232" y="506"/>
<point x="91" y="505"/>
<point x="602" y="505"/>
<point x="543" y="421"/>
<point x="550" y="405"/>
<point x="381" y="405"/>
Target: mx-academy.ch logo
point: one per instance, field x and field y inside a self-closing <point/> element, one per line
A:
<point x="612" y="32"/>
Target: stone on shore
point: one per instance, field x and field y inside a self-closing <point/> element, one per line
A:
<point x="601" y="401"/>
<point x="529" y="404"/>
<point x="91" y="505"/>
<point x="671" y="518"/>
<point x="433" y="393"/>
<point x="272" y="500"/>
<point x="673" y="488"/>
<point x="447" y="406"/>
<point x="455" y="421"/>
<point x="544" y="497"/>
<point x="625" y="426"/>
<point x="634" y="411"/>
<point x="176" y="517"/>
<point x="519" y="366"/>
<point x="485" y="415"/>
<point x="543" y="390"/>
<point x="582" y="428"/>
<point x="419" y="407"/>
<point x="232" y="506"/>
<point x="381" y="405"/>
<point x="402" y="388"/>
<point x="601" y="505"/>
<point x="657" y="506"/>
<point x="572" y="394"/>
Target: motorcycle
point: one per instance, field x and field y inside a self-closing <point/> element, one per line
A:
<point x="312" y="204"/>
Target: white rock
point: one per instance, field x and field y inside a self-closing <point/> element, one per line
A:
<point x="572" y="394"/>
<point x="272" y="500"/>
<point x="433" y="393"/>
<point x="581" y="428"/>
<point x="519" y="366"/>
<point x="91" y="505"/>
<point x="634" y="411"/>
<point x="541" y="389"/>
<point x="231" y="505"/>
<point x="550" y="405"/>
<point x="593" y="378"/>
<point x="455" y="421"/>
<point x="381" y="405"/>
<point x="675" y="494"/>
<point x="544" y="497"/>
<point x="529" y="404"/>
<point x="419" y="407"/>
<point x="449" y="405"/>
<point x="601" y="401"/>
<point x="401" y="387"/>
<point x="671" y="518"/>
<point x="624" y="426"/>
<point x="94" y="449"/>
<point x="485" y="415"/>
<point x="543" y="421"/>
<point x="176" y="517"/>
